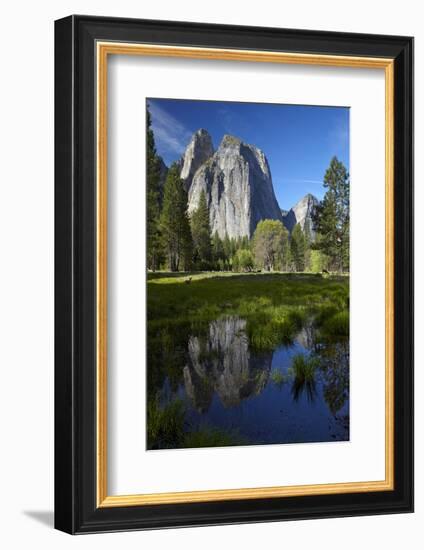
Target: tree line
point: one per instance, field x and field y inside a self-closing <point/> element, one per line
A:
<point x="177" y="241"/>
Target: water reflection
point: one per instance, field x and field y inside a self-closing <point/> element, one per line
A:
<point x="220" y="362"/>
<point x="335" y="374"/>
<point x="332" y="367"/>
<point x="297" y="392"/>
<point x="306" y="337"/>
<point x="302" y="386"/>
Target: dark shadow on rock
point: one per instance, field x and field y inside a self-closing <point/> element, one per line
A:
<point x="46" y="517"/>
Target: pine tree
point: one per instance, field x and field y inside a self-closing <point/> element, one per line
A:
<point x="187" y="244"/>
<point x="332" y="218"/>
<point x="201" y="232"/>
<point x="298" y="248"/>
<point x="218" y="254"/>
<point x="175" y="226"/>
<point x="284" y="262"/>
<point x="227" y="250"/>
<point x="308" y="243"/>
<point x="243" y="243"/>
<point x="154" y="243"/>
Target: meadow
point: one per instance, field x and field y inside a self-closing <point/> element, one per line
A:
<point x="188" y="365"/>
<point x="275" y="305"/>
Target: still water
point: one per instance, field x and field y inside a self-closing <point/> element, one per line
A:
<point x="257" y="397"/>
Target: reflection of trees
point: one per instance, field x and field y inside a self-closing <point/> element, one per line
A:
<point x="333" y="363"/>
<point x="335" y="374"/>
<point x="215" y="358"/>
<point x="166" y="355"/>
<point x="220" y="361"/>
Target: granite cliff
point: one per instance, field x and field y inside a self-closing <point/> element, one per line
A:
<point x="236" y="180"/>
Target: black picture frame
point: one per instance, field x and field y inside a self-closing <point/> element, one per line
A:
<point x="76" y="510"/>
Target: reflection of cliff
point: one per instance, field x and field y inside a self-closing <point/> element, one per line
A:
<point x="221" y="362"/>
<point x="306" y="337"/>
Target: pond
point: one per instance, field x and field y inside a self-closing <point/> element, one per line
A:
<point x="213" y="389"/>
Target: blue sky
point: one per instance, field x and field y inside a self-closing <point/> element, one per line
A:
<point x="298" y="141"/>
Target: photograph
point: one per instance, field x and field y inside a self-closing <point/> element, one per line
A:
<point x="234" y="323"/>
<point x="247" y="257"/>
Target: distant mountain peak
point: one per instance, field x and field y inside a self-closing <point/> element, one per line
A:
<point x="307" y="201"/>
<point x="300" y="213"/>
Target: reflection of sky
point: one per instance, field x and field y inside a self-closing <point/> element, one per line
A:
<point x="270" y="415"/>
<point x="299" y="141"/>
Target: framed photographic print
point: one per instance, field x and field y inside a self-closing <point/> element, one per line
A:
<point x="234" y="274"/>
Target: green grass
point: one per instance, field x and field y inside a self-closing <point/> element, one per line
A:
<point x="166" y="429"/>
<point x="274" y="305"/>
<point x="337" y="325"/>
<point x="304" y="368"/>
<point x="303" y="371"/>
<point x="165" y="425"/>
<point x="211" y="437"/>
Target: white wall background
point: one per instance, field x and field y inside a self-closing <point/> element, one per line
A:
<point x="26" y="273"/>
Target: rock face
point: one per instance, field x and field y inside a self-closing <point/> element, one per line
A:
<point x="198" y="151"/>
<point x="238" y="186"/>
<point x="301" y="213"/>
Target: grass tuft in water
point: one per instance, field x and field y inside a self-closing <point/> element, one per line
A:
<point x="304" y="368"/>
